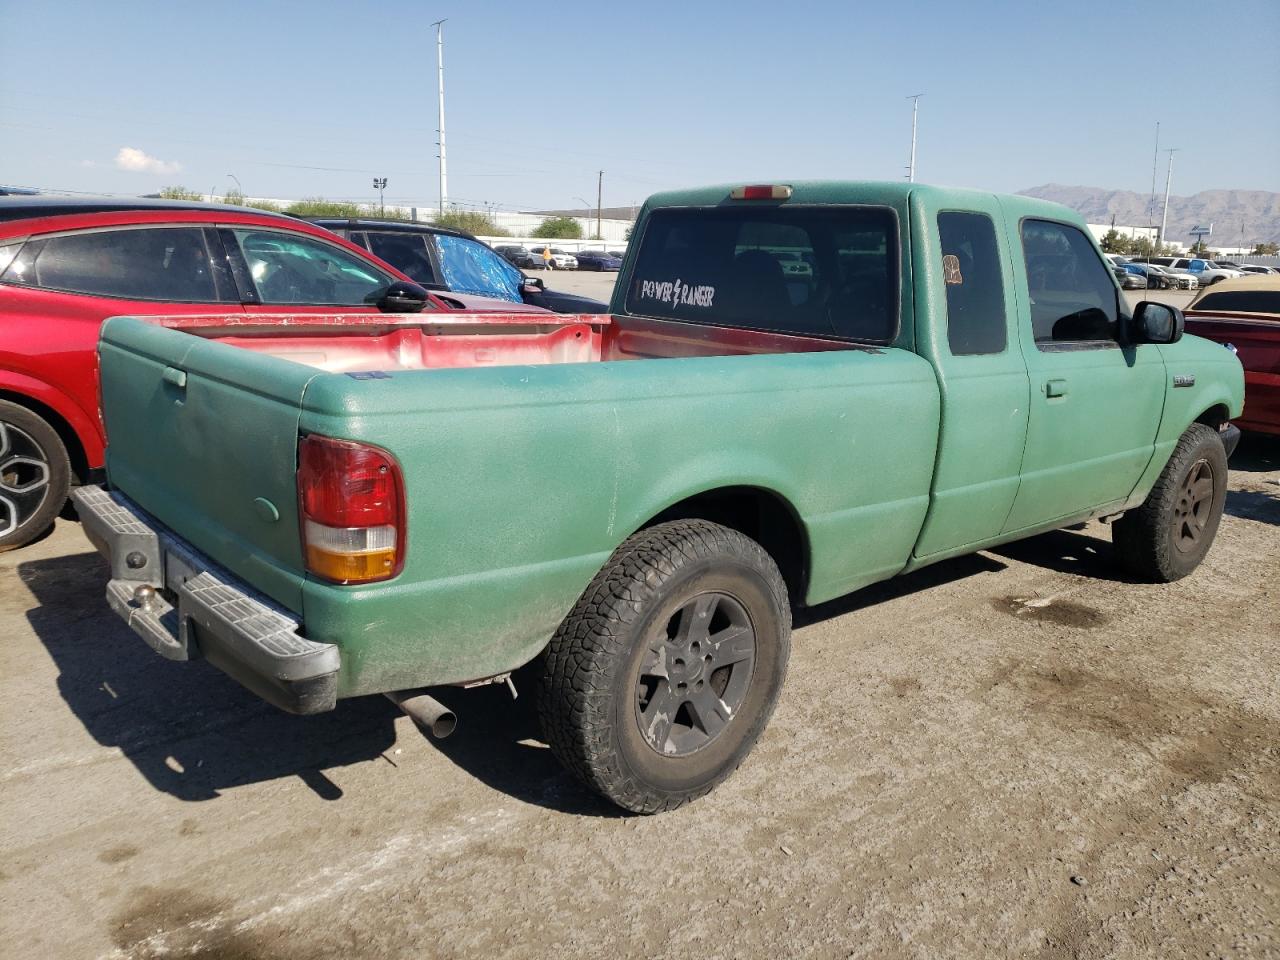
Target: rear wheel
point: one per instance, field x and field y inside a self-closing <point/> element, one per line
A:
<point x="658" y="683"/>
<point x="35" y="475"/>
<point x="1166" y="537"/>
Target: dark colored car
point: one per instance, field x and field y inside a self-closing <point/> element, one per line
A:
<point x="1129" y="280"/>
<point x="450" y="260"/>
<point x="597" y="260"/>
<point x="1154" y="277"/>
<point x="517" y="256"/>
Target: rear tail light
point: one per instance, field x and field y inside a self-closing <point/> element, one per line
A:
<point x="351" y="504"/>
<point x="761" y="191"/>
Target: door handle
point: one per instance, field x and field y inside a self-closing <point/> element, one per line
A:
<point x="175" y="377"/>
<point x="1055" y="388"/>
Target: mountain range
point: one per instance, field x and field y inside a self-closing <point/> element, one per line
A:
<point x="1257" y="210"/>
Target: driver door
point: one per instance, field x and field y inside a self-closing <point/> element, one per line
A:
<point x="1095" y="404"/>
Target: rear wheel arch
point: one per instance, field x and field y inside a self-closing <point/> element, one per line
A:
<point x="764" y="515"/>
<point x="66" y="433"/>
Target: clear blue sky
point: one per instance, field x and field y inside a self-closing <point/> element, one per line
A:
<point x="315" y="97"/>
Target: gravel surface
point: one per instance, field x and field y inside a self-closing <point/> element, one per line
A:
<point x="1015" y="754"/>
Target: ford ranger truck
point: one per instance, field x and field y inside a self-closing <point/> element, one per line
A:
<point x="632" y="504"/>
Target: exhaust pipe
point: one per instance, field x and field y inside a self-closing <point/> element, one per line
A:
<point x="426" y="711"/>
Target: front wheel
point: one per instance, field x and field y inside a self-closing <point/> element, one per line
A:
<point x="658" y="683"/>
<point x="35" y="475"/>
<point x="1166" y="537"/>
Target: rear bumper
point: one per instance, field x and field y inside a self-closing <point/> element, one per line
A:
<point x="197" y="609"/>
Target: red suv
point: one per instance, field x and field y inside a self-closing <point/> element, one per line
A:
<point x="68" y="264"/>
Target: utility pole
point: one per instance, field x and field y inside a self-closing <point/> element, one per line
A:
<point x="444" y="177"/>
<point x="1155" y="162"/>
<point x="599" y="194"/>
<point x="380" y="184"/>
<point x="1164" y="220"/>
<point x="915" y="110"/>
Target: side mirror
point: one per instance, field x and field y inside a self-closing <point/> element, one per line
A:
<point x="1156" y="323"/>
<point x="403" y="297"/>
<point x="532" y="285"/>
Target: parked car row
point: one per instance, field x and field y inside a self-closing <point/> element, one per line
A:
<point x="450" y="260"/>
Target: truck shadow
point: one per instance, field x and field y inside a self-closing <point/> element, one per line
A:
<point x="190" y="730"/>
<point x="1068" y="551"/>
<point x="1257" y="459"/>
<point x="499" y="742"/>
<point x="947" y="571"/>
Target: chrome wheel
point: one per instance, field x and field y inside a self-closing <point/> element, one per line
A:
<point x="24" y="477"/>
<point x="695" y="674"/>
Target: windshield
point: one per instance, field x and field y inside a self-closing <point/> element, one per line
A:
<point x="470" y="267"/>
<point x="830" y="272"/>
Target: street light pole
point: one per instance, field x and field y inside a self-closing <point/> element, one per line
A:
<point x="915" y="110"/>
<point x="239" y="189"/>
<point x="1164" y="219"/>
<point x="586" y="209"/>
<point x="444" y="177"/>
<point x="380" y="184"/>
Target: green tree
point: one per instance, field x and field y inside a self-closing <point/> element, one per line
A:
<point x="1267" y="250"/>
<point x="180" y="193"/>
<point x="320" y="207"/>
<point x="469" y="221"/>
<point x="234" y="197"/>
<point x="558" y="228"/>
<point x="1116" y="242"/>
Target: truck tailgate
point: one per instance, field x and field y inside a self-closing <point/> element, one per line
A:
<point x="203" y="436"/>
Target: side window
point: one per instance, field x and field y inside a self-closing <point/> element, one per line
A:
<point x="1073" y="296"/>
<point x="153" y="263"/>
<point x="286" y="268"/>
<point x="471" y="267"/>
<point x="407" y="252"/>
<point x="976" y="321"/>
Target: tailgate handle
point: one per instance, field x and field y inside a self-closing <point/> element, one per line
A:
<point x="175" y="377"/>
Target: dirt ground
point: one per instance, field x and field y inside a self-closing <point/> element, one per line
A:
<point x="1015" y="754"/>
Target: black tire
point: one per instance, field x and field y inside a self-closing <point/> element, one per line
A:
<point x="659" y="604"/>
<point x="1167" y="536"/>
<point x="35" y="476"/>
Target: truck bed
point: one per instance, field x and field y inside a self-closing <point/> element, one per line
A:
<point x="524" y="466"/>
<point x="351" y="343"/>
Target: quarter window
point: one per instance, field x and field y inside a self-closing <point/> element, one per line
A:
<point x="1073" y="296"/>
<point x="285" y="268"/>
<point x="153" y="263"/>
<point x="976" y="322"/>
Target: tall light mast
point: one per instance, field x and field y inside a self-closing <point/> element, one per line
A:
<point x="444" y="175"/>
<point x="1164" y="219"/>
<point x="915" y="110"/>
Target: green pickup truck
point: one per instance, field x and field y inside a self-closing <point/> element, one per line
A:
<point x="800" y="390"/>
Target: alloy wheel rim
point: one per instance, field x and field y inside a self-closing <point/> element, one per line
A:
<point x="1194" y="506"/>
<point x="24" y="478"/>
<point x="695" y="674"/>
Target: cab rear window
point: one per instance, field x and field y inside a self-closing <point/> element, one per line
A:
<point x="828" y="272"/>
